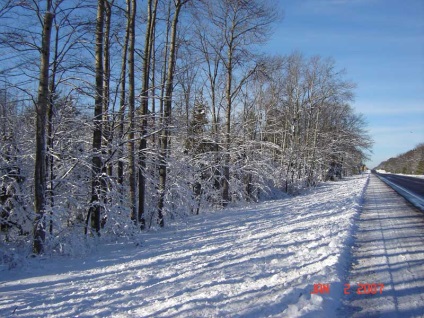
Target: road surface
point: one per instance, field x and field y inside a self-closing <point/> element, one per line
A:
<point x="411" y="188"/>
<point x="414" y="185"/>
<point x="389" y="252"/>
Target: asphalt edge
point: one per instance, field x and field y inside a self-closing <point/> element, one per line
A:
<point x="413" y="199"/>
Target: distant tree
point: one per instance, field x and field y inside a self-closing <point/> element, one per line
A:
<point x="420" y="167"/>
<point x="410" y="162"/>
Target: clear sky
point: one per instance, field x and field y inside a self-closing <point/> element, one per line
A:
<point x="380" y="43"/>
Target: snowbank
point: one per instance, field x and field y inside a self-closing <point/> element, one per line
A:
<point x="259" y="261"/>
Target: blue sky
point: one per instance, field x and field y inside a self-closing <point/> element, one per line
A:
<point x="380" y="43"/>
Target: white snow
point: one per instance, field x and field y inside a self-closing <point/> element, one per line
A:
<point x="389" y="250"/>
<point x="420" y="176"/>
<point x="259" y="261"/>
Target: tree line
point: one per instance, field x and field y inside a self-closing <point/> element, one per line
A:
<point x="410" y="162"/>
<point x="119" y="115"/>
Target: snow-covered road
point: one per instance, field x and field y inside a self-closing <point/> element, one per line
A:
<point x="259" y="261"/>
<point x="389" y="250"/>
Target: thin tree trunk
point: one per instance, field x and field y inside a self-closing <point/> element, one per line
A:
<point x="148" y="45"/>
<point x="122" y="102"/>
<point x="167" y="114"/>
<point x="107" y="129"/>
<point x="96" y="184"/>
<point x="40" y="139"/>
<point x="131" y="111"/>
<point x="228" y="95"/>
<point x="164" y="68"/>
<point x="50" y="127"/>
<point x="153" y="85"/>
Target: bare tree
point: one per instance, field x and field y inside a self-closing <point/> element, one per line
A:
<point x="5" y="7"/>
<point x="147" y="58"/>
<point x="239" y="122"/>
<point x="66" y="37"/>
<point x="131" y="112"/>
<point x="169" y="86"/>
<point x="40" y="140"/>
<point x="242" y="25"/>
<point x="122" y="100"/>
<point x="107" y="124"/>
<point x="94" y="212"/>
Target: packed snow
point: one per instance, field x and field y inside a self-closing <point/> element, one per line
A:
<point x="258" y="261"/>
<point x="389" y="251"/>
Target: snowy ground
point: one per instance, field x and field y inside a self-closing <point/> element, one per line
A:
<point x="259" y="261"/>
<point x="389" y="250"/>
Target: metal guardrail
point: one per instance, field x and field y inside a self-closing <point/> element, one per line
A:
<point x="412" y="198"/>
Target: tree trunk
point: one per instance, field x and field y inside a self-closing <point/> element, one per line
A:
<point x="167" y="114"/>
<point x="107" y="128"/>
<point x="131" y="114"/>
<point x="228" y="96"/>
<point x="148" y="45"/>
<point x="164" y="69"/>
<point x="40" y="140"/>
<point x="50" y="127"/>
<point x="96" y="183"/>
<point x="122" y="101"/>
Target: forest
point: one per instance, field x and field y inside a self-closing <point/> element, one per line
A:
<point x="120" y="116"/>
<point x="410" y="162"/>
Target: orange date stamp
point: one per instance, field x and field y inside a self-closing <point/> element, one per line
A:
<point x="359" y="289"/>
<point x="364" y="289"/>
